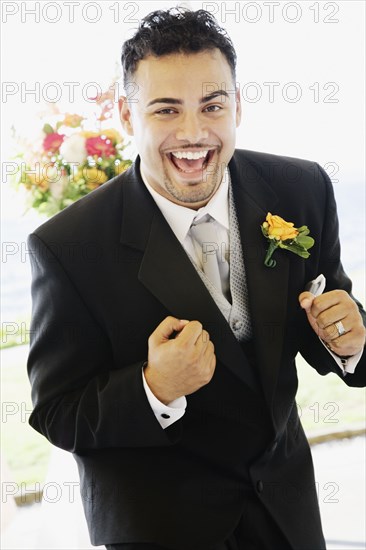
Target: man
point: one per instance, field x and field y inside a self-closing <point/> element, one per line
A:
<point x="173" y="385"/>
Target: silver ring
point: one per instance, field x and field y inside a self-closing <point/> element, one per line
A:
<point x="340" y="328"/>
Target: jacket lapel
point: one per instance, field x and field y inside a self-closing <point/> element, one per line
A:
<point x="267" y="287"/>
<point x="168" y="274"/>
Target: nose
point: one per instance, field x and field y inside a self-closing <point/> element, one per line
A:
<point x="191" y="129"/>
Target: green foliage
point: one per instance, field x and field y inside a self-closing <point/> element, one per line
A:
<point x="47" y="128"/>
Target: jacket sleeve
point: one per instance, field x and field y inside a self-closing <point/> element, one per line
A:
<point x="330" y="265"/>
<point x="82" y="399"/>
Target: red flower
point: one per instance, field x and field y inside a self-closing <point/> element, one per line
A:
<point x="52" y="142"/>
<point x="102" y="147"/>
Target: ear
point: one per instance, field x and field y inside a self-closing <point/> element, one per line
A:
<point x="125" y="115"/>
<point x="238" y="106"/>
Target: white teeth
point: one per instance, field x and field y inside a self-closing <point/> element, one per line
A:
<point x="190" y="155"/>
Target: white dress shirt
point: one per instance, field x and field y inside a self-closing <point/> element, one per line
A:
<point x="180" y="219"/>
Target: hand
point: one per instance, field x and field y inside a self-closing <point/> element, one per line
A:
<point x="325" y="310"/>
<point x="182" y="364"/>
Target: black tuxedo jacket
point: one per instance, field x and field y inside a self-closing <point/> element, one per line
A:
<point x="106" y="271"/>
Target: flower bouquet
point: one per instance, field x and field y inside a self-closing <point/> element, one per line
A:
<point x="283" y="234"/>
<point x="71" y="160"/>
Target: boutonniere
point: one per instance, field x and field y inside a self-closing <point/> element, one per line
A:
<point x="282" y="234"/>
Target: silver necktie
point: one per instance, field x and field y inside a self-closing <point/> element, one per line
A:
<point x="212" y="253"/>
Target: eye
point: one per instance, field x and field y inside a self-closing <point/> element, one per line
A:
<point x="165" y="111"/>
<point x="213" y="108"/>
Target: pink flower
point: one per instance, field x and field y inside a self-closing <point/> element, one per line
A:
<point x="100" y="146"/>
<point x="52" y="142"/>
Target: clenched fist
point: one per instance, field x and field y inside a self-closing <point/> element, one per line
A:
<point x="325" y="311"/>
<point x="181" y="359"/>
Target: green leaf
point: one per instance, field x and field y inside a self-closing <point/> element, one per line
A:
<point x="304" y="241"/>
<point x="47" y="128"/>
<point x="303" y="253"/>
<point x="296" y="249"/>
<point x="303" y="230"/>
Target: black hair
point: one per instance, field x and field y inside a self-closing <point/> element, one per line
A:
<point x="177" y="30"/>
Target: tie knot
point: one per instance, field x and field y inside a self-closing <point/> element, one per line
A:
<point x="207" y="218"/>
<point x="204" y="231"/>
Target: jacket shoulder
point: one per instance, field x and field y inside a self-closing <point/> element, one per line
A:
<point x="85" y="216"/>
<point x="282" y="173"/>
<point x="258" y="158"/>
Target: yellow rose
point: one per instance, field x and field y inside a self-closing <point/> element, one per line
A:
<point x="279" y="229"/>
<point x="38" y="180"/>
<point x="282" y="234"/>
<point x="77" y="175"/>
<point x="94" y="177"/>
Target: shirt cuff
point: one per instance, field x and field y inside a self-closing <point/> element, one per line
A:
<point x="165" y="414"/>
<point x="349" y="364"/>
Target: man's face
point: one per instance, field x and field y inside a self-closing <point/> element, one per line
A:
<point x="183" y="117"/>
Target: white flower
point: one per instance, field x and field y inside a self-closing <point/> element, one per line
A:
<point x="73" y="149"/>
<point x="58" y="187"/>
<point x="57" y="182"/>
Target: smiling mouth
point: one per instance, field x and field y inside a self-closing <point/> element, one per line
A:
<point x="189" y="162"/>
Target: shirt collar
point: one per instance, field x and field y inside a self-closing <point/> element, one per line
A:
<point x="180" y="218"/>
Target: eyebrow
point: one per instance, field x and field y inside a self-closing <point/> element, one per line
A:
<point x="174" y="101"/>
